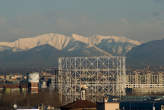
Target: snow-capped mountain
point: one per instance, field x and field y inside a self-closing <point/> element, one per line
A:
<point x="61" y="42"/>
<point x="57" y="41"/>
<point x="44" y="50"/>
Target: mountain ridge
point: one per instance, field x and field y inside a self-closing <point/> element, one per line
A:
<point x="60" y="41"/>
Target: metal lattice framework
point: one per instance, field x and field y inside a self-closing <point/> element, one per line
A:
<point x="102" y="75"/>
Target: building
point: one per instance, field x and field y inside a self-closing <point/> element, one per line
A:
<point x="108" y="105"/>
<point x="13" y="88"/>
<point x="132" y="103"/>
<point x="145" y="82"/>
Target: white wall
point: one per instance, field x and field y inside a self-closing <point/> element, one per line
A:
<point x="112" y="106"/>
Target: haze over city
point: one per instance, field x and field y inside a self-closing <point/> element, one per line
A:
<point x="141" y="20"/>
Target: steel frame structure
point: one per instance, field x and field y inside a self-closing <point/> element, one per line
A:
<point x="102" y="75"/>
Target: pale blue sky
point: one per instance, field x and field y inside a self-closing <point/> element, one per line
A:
<point x="137" y="19"/>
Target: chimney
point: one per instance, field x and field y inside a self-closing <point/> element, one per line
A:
<point x="83" y="92"/>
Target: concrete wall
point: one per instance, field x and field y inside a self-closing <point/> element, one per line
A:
<point x="112" y="106"/>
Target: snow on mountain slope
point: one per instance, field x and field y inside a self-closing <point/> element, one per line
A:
<point x="80" y="38"/>
<point x="57" y="41"/>
<point x="98" y="39"/>
<point x="60" y="41"/>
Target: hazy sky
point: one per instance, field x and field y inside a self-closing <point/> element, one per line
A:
<point x="137" y="19"/>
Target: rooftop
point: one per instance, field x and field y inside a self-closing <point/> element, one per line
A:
<point x="79" y="104"/>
